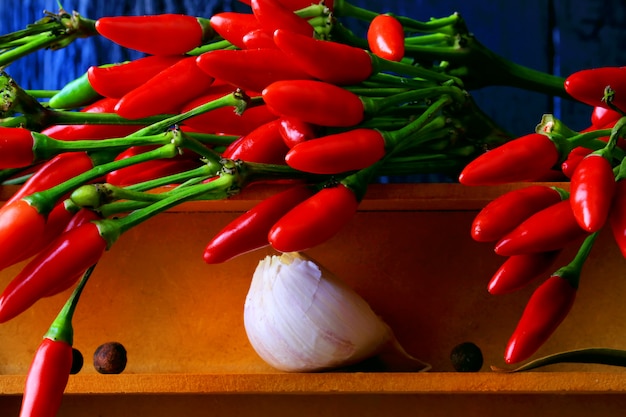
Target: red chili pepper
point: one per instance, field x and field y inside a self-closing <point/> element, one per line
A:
<point x="224" y="119"/>
<point x="258" y="39"/>
<point x="233" y="26"/>
<point x="92" y="131"/>
<point x="250" y="69"/>
<point x="160" y="34"/>
<point x="56" y="222"/>
<point x="67" y="256"/>
<point x="385" y="37"/>
<point x="526" y="158"/>
<point x="19" y="222"/>
<point x="295" y="131"/>
<point x="506" y="212"/>
<point x="115" y="81"/>
<point x="249" y="231"/>
<point x="573" y="159"/>
<point x="272" y="15"/>
<point x="617" y="216"/>
<point x="264" y="145"/>
<point x="549" y="229"/>
<point x="315" y="102"/>
<point x="333" y="62"/>
<point x="588" y="86"/>
<point x="82" y="216"/>
<point x="16" y="147"/>
<point x="315" y="220"/>
<point x="519" y="270"/>
<point x="601" y="117"/>
<point x="58" y="169"/>
<point x="341" y="152"/>
<point x="51" y="366"/>
<point x="546" y="309"/>
<point x="149" y="170"/>
<point x="591" y="191"/>
<point x="166" y="92"/>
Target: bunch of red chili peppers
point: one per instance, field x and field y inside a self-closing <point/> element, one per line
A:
<point x="284" y="93"/>
<point x="532" y="225"/>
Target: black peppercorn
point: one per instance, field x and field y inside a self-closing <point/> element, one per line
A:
<point x="110" y="358"/>
<point x="466" y="357"/>
<point x="77" y="361"/>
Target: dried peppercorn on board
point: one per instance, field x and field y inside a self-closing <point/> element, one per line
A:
<point x="182" y="325"/>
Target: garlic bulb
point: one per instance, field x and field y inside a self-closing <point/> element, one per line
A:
<point x="299" y="318"/>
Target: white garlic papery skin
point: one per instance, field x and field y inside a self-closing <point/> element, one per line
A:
<point x="300" y="319"/>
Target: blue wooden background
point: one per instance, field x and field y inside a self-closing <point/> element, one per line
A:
<point x="560" y="36"/>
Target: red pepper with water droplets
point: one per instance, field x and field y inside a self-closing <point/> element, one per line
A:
<point x="519" y="270"/>
<point x="51" y="366"/>
<point x="249" y="231"/>
<point x="385" y="37"/>
<point x="115" y="81"/>
<point x="341" y="152"/>
<point x="272" y="15"/>
<point x="167" y="92"/>
<point x="159" y="34"/>
<point x="315" y="102"/>
<point x="526" y="158"/>
<point x="250" y="69"/>
<point x="506" y="212"/>
<point x="549" y="229"/>
<point x="67" y="256"/>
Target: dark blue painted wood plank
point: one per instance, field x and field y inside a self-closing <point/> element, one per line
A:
<point x="591" y="34"/>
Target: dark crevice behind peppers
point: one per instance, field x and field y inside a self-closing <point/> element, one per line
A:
<point x="50" y="368"/>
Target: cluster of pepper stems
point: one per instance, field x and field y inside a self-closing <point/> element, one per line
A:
<point x="285" y="93"/>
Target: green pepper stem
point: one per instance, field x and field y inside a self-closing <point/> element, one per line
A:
<point x="61" y="329"/>
<point x="45" y="200"/>
<point x="571" y="272"/>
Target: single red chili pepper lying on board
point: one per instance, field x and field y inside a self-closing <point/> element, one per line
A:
<point x="249" y="231"/>
<point x="50" y="369"/>
<point x="160" y="34"/>
<point x="385" y="37"/>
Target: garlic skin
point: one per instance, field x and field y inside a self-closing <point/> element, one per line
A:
<point x="299" y="318"/>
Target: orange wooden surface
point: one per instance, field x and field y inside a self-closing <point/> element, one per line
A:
<point x="408" y="252"/>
